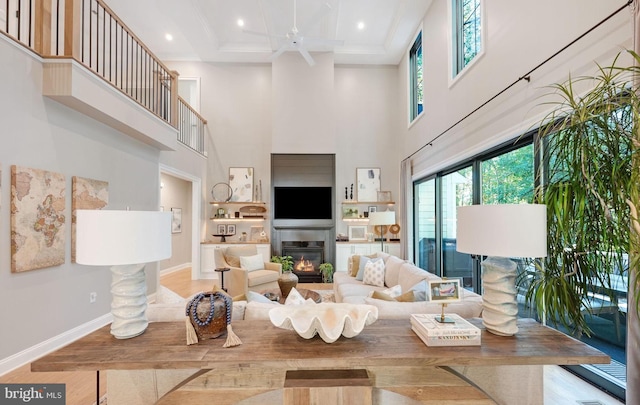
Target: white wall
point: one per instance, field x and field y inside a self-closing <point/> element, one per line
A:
<point x="42" y="309"/>
<point x="176" y="193"/>
<point x="518" y="38"/>
<point x="250" y="116"/>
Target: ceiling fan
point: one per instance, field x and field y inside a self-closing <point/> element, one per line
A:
<point x="295" y="41"/>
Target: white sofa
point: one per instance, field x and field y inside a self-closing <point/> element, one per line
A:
<point x="407" y="276"/>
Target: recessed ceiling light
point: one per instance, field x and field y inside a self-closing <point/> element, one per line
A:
<point x="240" y="22"/>
<point x="168" y="37"/>
<point x="361" y="25"/>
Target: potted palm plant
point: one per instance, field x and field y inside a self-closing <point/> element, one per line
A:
<point x="591" y="141"/>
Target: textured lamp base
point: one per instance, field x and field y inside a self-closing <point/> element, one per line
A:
<point x="129" y="301"/>
<point x="500" y="307"/>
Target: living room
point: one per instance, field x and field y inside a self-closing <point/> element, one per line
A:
<point x="356" y="112"/>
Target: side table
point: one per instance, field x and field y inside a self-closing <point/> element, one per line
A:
<point x="222" y="270"/>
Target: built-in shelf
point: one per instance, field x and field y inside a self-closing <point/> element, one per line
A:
<point x="368" y="202"/>
<point x="237" y="203"/>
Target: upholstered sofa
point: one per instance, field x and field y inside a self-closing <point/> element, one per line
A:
<point x="410" y="278"/>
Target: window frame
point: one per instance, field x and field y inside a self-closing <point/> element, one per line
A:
<point x="412" y="83"/>
<point x="456" y="44"/>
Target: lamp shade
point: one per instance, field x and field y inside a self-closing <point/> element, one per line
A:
<point x="382" y="218"/>
<point x="503" y="230"/>
<point x="105" y="237"/>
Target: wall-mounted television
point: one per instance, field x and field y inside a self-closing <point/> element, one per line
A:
<point x="302" y="203"/>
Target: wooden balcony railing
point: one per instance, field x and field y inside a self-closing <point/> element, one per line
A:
<point x="89" y="32"/>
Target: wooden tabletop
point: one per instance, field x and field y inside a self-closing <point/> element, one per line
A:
<point x="384" y="343"/>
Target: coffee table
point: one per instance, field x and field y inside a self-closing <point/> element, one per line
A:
<point x="306" y="294"/>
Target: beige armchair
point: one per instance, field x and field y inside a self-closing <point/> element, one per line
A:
<point x="239" y="281"/>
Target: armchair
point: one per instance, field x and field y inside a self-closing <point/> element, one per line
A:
<point x="239" y="280"/>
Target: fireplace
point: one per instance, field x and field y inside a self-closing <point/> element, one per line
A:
<point x="307" y="258"/>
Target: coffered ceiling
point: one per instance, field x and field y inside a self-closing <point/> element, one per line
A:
<point x="208" y="30"/>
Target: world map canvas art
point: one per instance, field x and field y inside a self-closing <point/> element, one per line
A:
<point x="37" y="219"/>
<point x="86" y="194"/>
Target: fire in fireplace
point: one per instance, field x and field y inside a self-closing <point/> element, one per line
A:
<point x="307" y="258"/>
<point x="303" y="265"/>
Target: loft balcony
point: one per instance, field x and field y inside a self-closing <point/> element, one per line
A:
<point x="93" y="63"/>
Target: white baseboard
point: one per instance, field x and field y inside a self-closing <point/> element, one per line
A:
<point x="175" y="268"/>
<point x="34" y="352"/>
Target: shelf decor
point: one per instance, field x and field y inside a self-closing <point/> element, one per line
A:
<point x="241" y="183"/>
<point x="357" y="232"/>
<point x="368" y="183"/>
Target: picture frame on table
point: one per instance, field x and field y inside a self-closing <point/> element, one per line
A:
<point x="372" y="208"/>
<point x="231" y="229"/>
<point x="222" y="229"/>
<point x="444" y="291"/>
<point x="357" y="232"/>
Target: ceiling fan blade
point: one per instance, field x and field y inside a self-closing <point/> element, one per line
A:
<point x="279" y="52"/>
<point x="305" y="54"/>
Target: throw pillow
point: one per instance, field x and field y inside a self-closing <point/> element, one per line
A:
<point x="363" y="262"/>
<point x="374" y="273"/>
<point x="394" y="291"/>
<point x="251" y="263"/>
<point x="409" y="296"/>
<point x="380" y="295"/>
<point x="253" y="296"/>
<point x="406" y="297"/>
<point x="392" y="270"/>
<point x="355" y="265"/>
<point x="420" y="291"/>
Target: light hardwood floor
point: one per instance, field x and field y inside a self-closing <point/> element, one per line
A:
<point x="560" y="386"/>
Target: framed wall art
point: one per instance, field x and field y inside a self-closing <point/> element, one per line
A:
<point x="357" y="232"/>
<point x="38" y="223"/>
<point x="222" y="229"/>
<point x="368" y="183"/>
<point x="176" y="220"/>
<point x="241" y="183"/>
<point x="86" y="194"/>
<point x="231" y="229"/>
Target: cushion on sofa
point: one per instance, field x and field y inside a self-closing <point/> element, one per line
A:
<point x="258" y="277"/>
<point x="363" y="262"/>
<point x="251" y="263"/>
<point x="410" y="274"/>
<point x="359" y="289"/>
<point x="406" y="297"/>
<point x="469" y="307"/>
<point x="374" y="273"/>
<point x="392" y="268"/>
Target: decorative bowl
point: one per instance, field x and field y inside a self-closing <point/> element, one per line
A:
<point x="329" y="320"/>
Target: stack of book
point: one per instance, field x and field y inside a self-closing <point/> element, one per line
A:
<point x="434" y="333"/>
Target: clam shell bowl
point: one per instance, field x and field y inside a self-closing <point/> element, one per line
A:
<point x="329" y="320"/>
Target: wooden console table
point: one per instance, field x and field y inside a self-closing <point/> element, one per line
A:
<point x="158" y="366"/>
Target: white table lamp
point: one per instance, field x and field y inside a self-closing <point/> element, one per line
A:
<point x="500" y="232"/>
<point x="126" y="241"/>
<point x="381" y="218"/>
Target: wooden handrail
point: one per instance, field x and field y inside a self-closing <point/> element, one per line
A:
<point x="194" y="112"/>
